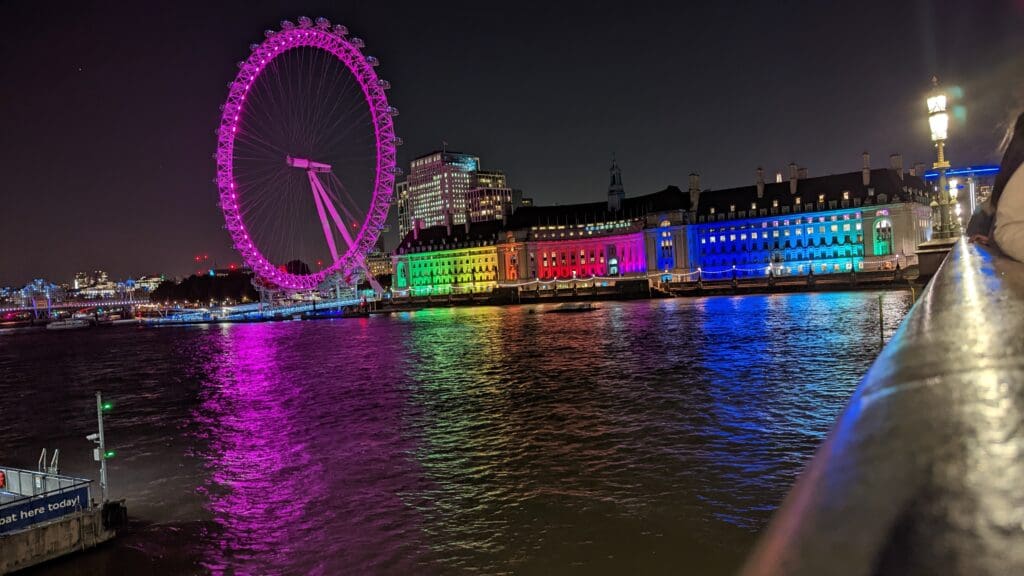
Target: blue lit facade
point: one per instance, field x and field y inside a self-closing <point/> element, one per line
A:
<point x="823" y="242"/>
<point x="869" y="220"/>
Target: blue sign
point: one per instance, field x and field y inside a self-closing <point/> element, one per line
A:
<point x="21" y="515"/>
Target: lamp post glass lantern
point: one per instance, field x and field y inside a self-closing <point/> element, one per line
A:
<point x="938" y="123"/>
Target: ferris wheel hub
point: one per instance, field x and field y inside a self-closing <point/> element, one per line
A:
<point x="307" y="164"/>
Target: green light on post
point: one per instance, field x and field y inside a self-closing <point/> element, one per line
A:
<point x="109" y="454"/>
<point x="107" y="406"/>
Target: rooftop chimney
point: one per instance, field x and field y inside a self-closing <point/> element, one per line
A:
<point x="760" y="182"/>
<point x="793" y="174"/>
<point x="468" y="218"/>
<point x="694" y="190"/>
<point x="896" y="163"/>
<point x="448" y="221"/>
<point x="416" y="228"/>
<point x="865" y="170"/>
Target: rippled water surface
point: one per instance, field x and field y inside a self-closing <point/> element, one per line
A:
<point x="646" y="437"/>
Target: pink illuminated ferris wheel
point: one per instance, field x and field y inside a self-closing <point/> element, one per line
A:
<point x="306" y="156"/>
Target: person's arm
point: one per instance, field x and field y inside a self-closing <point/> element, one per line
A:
<point x="1010" y="217"/>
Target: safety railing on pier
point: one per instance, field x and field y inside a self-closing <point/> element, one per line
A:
<point x="29" y="497"/>
<point x="924" y="471"/>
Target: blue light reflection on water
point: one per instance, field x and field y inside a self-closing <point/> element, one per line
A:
<point x="642" y="437"/>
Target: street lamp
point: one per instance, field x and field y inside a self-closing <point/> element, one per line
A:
<point x="938" y="122"/>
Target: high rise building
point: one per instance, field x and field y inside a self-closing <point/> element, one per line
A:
<point x="437" y="187"/>
<point x="490" y="179"/>
<point x="492" y="203"/>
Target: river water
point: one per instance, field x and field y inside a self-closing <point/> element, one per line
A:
<point x="646" y="437"/>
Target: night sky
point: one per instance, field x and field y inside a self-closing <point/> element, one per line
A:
<point x="109" y="110"/>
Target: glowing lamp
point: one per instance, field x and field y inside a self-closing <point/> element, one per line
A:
<point x="937" y="103"/>
<point x="954" y="184"/>
<point x="939" y="124"/>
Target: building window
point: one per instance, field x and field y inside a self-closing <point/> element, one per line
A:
<point x="846" y="194"/>
<point x="711" y="210"/>
<point x="775" y="203"/>
<point x="821" y="198"/>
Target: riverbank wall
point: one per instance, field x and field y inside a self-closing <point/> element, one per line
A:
<point x="643" y="289"/>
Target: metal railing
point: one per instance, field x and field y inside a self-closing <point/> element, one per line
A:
<point x="22" y="485"/>
<point x="923" y="472"/>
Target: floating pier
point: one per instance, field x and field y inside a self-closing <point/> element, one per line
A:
<point x="44" y="516"/>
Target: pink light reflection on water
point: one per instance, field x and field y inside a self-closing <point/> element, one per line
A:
<point x="287" y="493"/>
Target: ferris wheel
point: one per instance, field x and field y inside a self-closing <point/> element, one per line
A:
<point x="306" y="156"/>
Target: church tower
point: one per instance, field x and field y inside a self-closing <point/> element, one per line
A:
<point x="615" y="191"/>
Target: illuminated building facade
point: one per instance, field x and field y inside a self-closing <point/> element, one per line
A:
<point x="867" y="220"/>
<point x="437" y="185"/>
<point x="492" y="203"/>
<point x="447" y="259"/>
<point x="858" y="221"/>
<point x="378" y="262"/>
<point x="591" y="240"/>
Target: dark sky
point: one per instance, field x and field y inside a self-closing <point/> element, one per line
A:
<point x="109" y="109"/>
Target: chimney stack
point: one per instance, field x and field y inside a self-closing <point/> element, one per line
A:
<point x="865" y="170"/>
<point x="468" y="218"/>
<point x="448" y="221"/>
<point x="792" y="178"/>
<point x="416" y="228"/>
<point x="694" y="190"/>
<point x="896" y="163"/>
<point x="760" y="182"/>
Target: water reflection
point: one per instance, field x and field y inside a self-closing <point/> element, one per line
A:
<point x="642" y="437"/>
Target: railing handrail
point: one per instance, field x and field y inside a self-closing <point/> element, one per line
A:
<point x="75" y="484"/>
<point x="923" y="472"/>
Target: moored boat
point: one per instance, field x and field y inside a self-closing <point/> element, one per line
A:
<point x="574" y="307"/>
<point x="69" y="324"/>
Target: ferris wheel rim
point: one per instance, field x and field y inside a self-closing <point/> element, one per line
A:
<point x="335" y="41"/>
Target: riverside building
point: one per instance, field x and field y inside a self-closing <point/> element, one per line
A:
<point x="867" y="220"/>
<point x="857" y="221"/>
<point x="444" y="183"/>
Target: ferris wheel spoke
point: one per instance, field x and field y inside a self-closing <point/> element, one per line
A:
<point x="336" y="135"/>
<point x="340" y="186"/>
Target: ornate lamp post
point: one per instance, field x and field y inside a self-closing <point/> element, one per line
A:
<point x="938" y="122"/>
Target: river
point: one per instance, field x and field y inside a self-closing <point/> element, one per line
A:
<point x="648" y="437"/>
